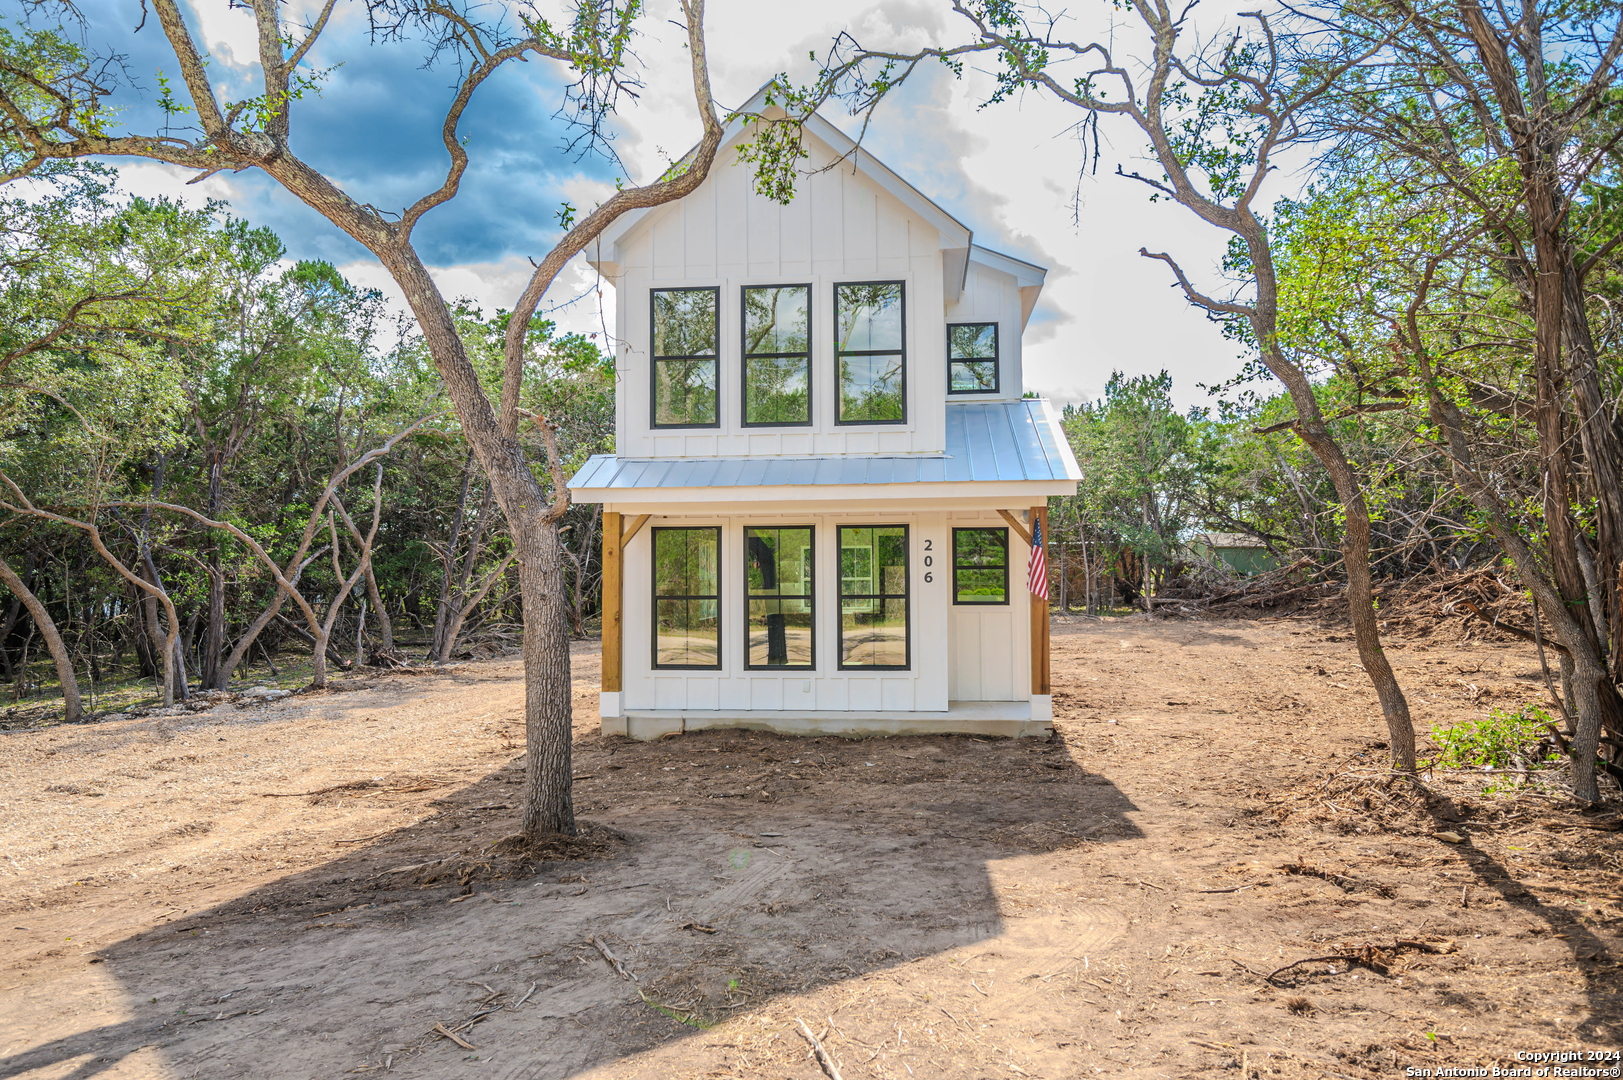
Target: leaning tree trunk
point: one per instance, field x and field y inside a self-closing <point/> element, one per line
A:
<point x="443" y="612"/>
<point x="548" y="691"/>
<point x="1311" y="428"/>
<point x="209" y="674"/>
<point x="73" y="710"/>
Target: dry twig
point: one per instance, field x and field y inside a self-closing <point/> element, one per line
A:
<point x="821" y="1054"/>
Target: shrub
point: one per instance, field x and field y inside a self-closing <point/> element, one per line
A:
<point x="1491" y="741"/>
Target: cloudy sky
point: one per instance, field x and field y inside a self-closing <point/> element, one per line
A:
<point x="1011" y="171"/>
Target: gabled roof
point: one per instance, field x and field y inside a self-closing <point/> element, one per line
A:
<point x="956" y="237"/>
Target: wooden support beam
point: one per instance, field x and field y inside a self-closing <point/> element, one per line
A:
<point x="1014" y="523"/>
<point x="1039" y="616"/>
<point x="613" y="599"/>
<point x="636" y="527"/>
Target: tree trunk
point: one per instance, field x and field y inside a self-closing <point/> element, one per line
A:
<point x="385" y="627"/>
<point x="12" y="612"/>
<point x="548" y="691"/>
<point x="214" y="635"/>
<point x="459" y="594"/>
<point x="1311" y="428"/>
<point x="164" y="644"/>
<point x="455" y="629"/>
<point x="549" y="802"/>
<point x="444" y="610"/>
<point x="73" y="710"/>
<point x="1587" y="670"/>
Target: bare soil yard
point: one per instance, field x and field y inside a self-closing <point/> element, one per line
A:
<point x="314" y="887"/>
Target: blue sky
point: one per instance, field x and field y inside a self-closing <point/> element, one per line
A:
<point x="1009" y="171"/>
<point x="375" y="129"/>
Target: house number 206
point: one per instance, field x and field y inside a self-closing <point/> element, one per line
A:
<point x="929" y="560"/>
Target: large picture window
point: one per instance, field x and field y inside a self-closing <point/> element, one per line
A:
<point x="687" y="598"/>
<point x="972" y="358"/>
<point x="778" y="576"/>
<point x="777" y="355"/>
<point x="980" y="566"/>
<point x="685" y="388"/>
<point x="870" y="343"/>
<point x="873" y="596"/>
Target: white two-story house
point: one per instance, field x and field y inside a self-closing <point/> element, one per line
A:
<point x="819" y="514"/>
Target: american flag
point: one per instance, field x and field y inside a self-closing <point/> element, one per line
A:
<point x="1037" y="577"/>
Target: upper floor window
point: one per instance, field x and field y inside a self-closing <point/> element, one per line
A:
<point x="777" y="355"/>
<point x="972" y="358"/>
<point x="870" y="352"/>
<point x="685" y="388"/>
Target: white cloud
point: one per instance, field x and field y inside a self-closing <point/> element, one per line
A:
<point x="1011" y="167"/>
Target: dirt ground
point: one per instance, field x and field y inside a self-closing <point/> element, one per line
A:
<point x="313" y="888"/>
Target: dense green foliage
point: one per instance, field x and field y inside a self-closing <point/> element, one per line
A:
<point x="155" y="353"/>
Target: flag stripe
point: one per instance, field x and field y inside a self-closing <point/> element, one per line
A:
<point x="1037" y="573"/>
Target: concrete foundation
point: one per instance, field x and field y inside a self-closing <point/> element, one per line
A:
<point x="1001" y="719"/>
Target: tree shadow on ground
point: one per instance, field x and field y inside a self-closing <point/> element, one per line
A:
<point x="718" y="901"/>
<point x="1591" y="956"/>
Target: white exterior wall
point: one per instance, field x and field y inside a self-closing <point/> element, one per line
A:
<point x="837" y="228"/>
<point x="960" y="652"/>
<point x="992" y="296"/>
<point x="924" y="688"/>
<point x="989" y="645"/>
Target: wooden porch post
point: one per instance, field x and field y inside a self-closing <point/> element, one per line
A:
<point x="1039" y="614"/>
<point x="613" y="600"/>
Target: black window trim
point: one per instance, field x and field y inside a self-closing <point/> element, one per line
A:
<point x="997" y="358"/>
<point x="745" y="357"/>
<point x="653" y="360"/>
<point x="840" y="597"/>
<point x="812" y="597"/>
<point x="955" y="568"/>
<point x="838" y="396"/>
<point x="655" y="598"/>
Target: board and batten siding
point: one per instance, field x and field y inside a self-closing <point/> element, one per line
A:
<point x="838" y="228"/>
<point x="990" y="295"/>
<point x="982" y="656"/>
<point x="733" y="688"/>
<point x="988" y="644"/>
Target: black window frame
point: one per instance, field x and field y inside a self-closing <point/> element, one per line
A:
<point x="840" y="596"/>
<point x="839" y="397"/>
<point x="955" y="567"/>
<point x="744" y="357"/>
<point x="655" y="598"/>
<point x="997" y="358"/>
<point x="654" y="360"/>
<point x="810" y="598"/>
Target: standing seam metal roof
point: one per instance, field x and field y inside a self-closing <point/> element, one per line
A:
<point x="987" y="441"/>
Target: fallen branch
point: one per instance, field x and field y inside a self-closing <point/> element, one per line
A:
<point x="614" y="961"/>
<point x="446" y="1033"/>
<point x="822" y="1055"/>
<point x="1377" y="958"/>
<point x="1510" y="628"/>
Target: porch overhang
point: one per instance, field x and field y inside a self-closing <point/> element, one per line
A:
<point x="999" y="455"/>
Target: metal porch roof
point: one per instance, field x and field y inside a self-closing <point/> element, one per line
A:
<point x="987" y="441"/>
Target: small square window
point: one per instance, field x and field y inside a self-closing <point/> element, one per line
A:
<point x="980" y="566"/>
<point x="972" y="366"/>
